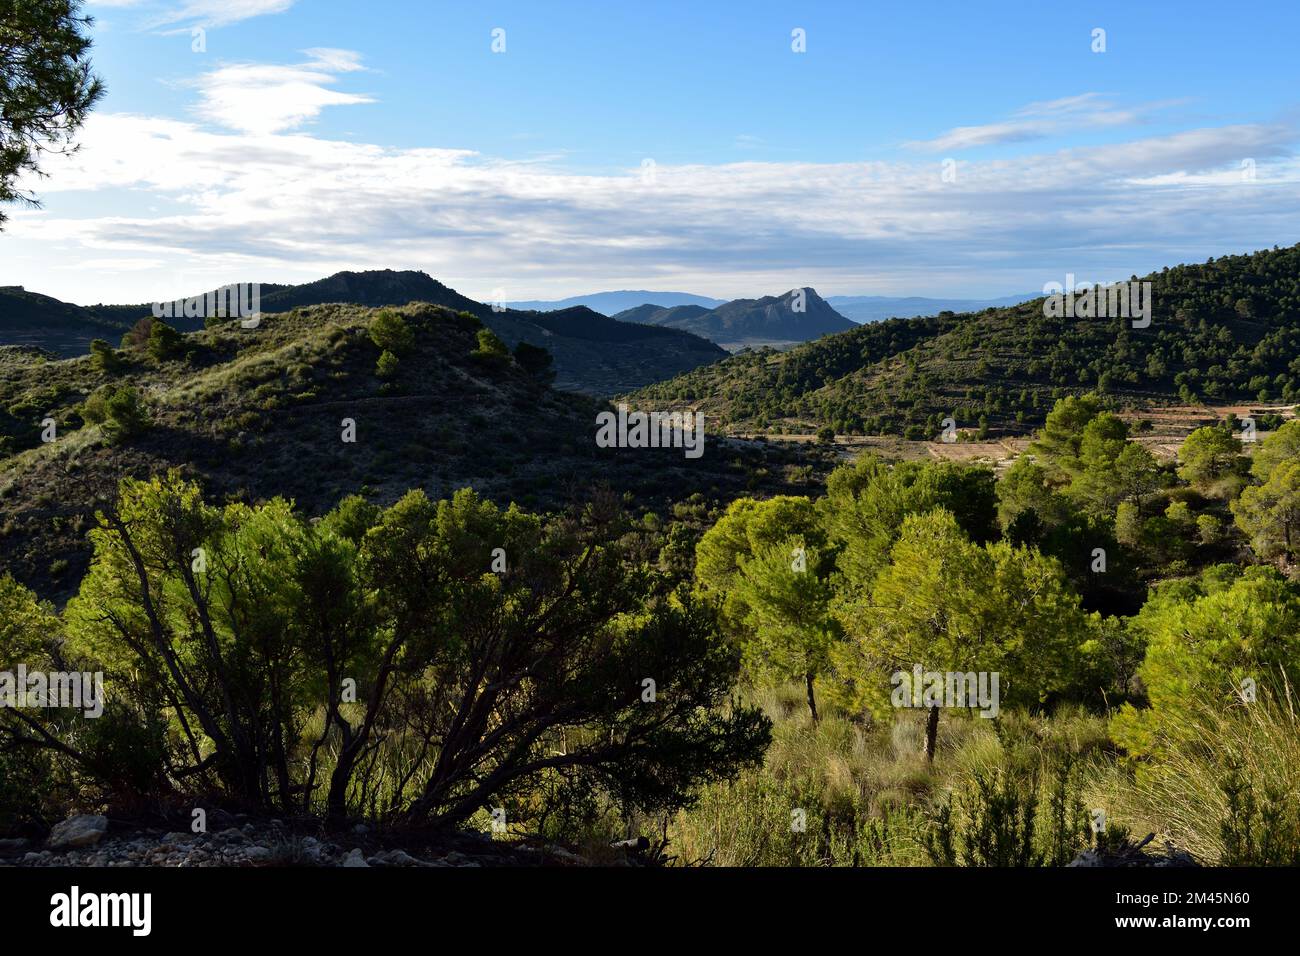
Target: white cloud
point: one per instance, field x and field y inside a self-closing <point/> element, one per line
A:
<point x="267" y="98"/>
<point x="269" y="203"/>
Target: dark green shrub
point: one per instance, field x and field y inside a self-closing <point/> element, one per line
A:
<point x="490" y="347"/>
<point x="386" y="367"/>
<point x="164" y="341"/>
<point x="390" y="333"/>
<point x="104" y="357"/>
<point x="118" y="409"/>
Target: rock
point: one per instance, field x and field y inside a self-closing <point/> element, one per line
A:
<point x="1132" y="854"/>
<point x="169" y="839"/>
<point x="13" y="847"/>
<point x="258" y="854"/>
<point x="394" y="858"/>
<point x="85" y="829"/>
<point x="561" y="855"/>
<point x="361" y="828"/>
<point x="232" y="835"/>
<point x="356" y="858"/>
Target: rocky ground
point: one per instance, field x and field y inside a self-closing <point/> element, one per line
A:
<point x="1136" y="854"/>
<point x="90" y="840"/>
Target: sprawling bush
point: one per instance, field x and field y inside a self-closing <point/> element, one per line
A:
<point x="419" y="662"/>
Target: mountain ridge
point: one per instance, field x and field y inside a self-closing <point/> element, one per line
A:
<point x="799" y="315"/>
<point x="1228" y="329"/>
<point x="592" y="352"/>
<point x="609" y="303"/>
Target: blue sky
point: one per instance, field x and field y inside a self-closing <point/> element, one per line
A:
<point x="945" y="149"/>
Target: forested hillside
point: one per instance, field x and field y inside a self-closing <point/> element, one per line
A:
<point x="1228" y="329"/>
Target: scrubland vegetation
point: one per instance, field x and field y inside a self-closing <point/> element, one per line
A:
<point x="1176" y="720"/>
<point x="718" y="676"/>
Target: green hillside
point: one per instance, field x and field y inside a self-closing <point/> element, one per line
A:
<point x="1227" y="330"/>
<point x="259" y="413"/>
<point x="592" y="353"/>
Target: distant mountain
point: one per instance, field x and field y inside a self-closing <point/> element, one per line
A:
<point x="650" y="314"/>
<point x="32" y="319"/>
<point x="778" y="320"/>
<point x="593" y="353"/>
<point x="609" y="303"/>
<point x="596" y="354"/>
<point x="41" y="321"/>
<point x="1225" y="331"/>
<point x="874" y="308"/>
<point x="372" y="288"/>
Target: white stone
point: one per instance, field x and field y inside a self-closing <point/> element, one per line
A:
<point x="85" y="829"/>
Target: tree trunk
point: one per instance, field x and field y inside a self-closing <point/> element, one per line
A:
<point x="812" y="698"/>
<point x="931" y="734"/>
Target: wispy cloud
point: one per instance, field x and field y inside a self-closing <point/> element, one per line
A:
<point x="217" y="13"/>
<point x="159" y="14"/>
<point x="1040" y="121"/>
